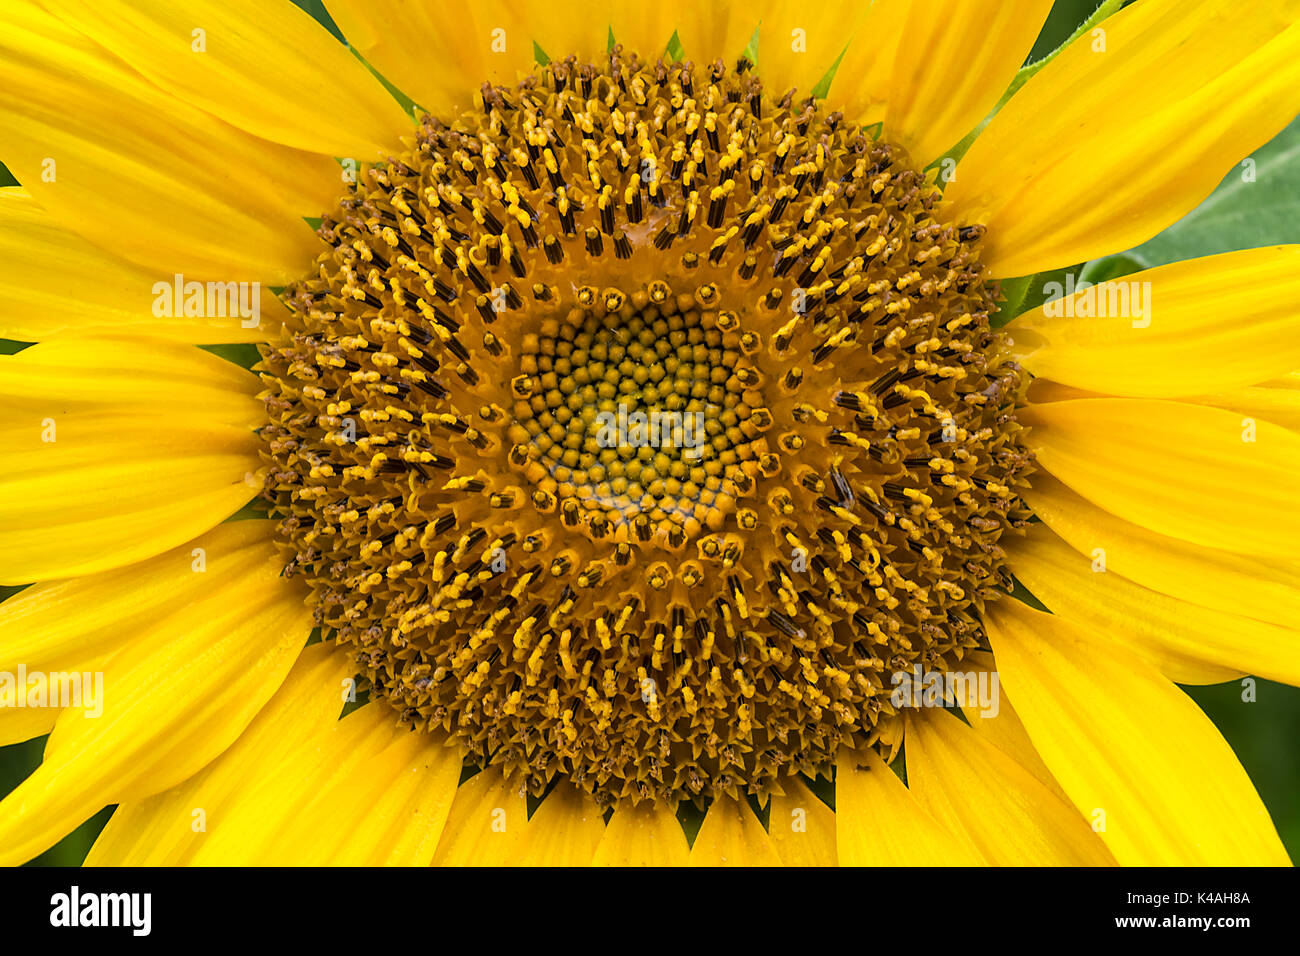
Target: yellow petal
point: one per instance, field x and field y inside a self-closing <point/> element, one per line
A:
<point x="644" y="835"/>
<point x="1127" y="130"/>
<point x="23" y="723"/>
<point x="436" y="55"/>
<point x="76" y="625"/>
<point x="377" y="797"/>
<point x="1187" y="642"/>
<point x="219" y="205"/>
<point x="801" y="827"/>
<point x="565" y="830"/>
<point x="1176" y="469"/>
<point x="268" y="68"/>
<point x="732" y="836"/>
<point x="53" y="281"/>
<point x="995" y="720"/>
<point x="1205" y="324"/>
<point x="1134" y="753"/>
<point x="953" y="63"/>
<point x="1277" y="401"/>
<point x="397" y="805"/>
<point x="978" y="790"/>
<point x="1262" y="589"/>
<point x="261" y="824"/>
<point x="706" y="31"/>
<point x="118" y="450"/>
<point x="169" y="828"/>
<point x="172" y="701"/>
<point x="879" y="822"/>
<point x="799" y="42"/>
<point x="487" y="823"/>
<point x="573" y="28"/>
<point x="865" y="75"/>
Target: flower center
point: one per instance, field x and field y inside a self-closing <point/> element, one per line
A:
<point x="633" y="420"/>
<point x="636" y="427"/>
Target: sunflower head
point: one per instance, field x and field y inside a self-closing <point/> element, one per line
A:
<point x="638" y="425"/>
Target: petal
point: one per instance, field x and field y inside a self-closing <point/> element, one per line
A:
<point x="262" y="822"/>
<point x="167" y="829"/>
<point x="865" y="75"/>
<point x="799" y="42"/>
<point x="77" y="624"/>
<point x="487" y="823"/>
<point x="1134" y="753"/>
<point x="732" y="836"/>
<point x="644" y="835"/>
<point x="1188" y="643"/>
<point x="995" y="720"/>
<point x="23" y="723"/>
<point x="397" y="805"/>
<point x="374" y="795"/>
<point x="565" y="830"/>
<point x="953" y="63"/>
<point x="1265" y="590"/>
<point x="1277" y="401"/>
<point x="1127" y="130"/>
<point x="315" y="96"/>
<point x="1176" y="469"/>
<point x="1206" y="324"/>
<point x="173" y="700"/>
<point x="879" y="822"/>
<point x="223" y="205"/>
<point x="801" y="827"/>
<point x="118" y="451"/>
<point x="978" y="790"/>
<point x="572" y="28"/>
<point x="53" y="281"/>
<point x="439" y="55"/>
<point x="706" y="31"/>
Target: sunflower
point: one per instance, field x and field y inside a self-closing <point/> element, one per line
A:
<point x="637" y="442"/>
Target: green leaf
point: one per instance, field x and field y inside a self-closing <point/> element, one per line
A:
<point x="243" y="354"/>
<point x="1029" y="292"/>
<point x="675" y="50"/>
<point x="751" y="49"/>
<point x="1013" y="293"/>
<point x="540" y="55"/>
<point x="317" y="9"/>
<point x="1111" y="267"/>
<point x="256" y="509"/>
